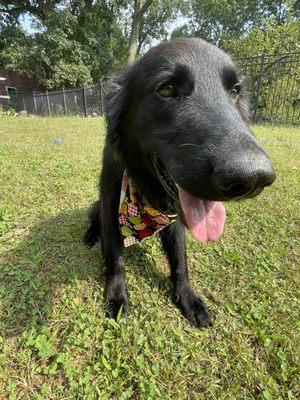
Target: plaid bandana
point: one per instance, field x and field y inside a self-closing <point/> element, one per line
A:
<point x="137" y="219"/>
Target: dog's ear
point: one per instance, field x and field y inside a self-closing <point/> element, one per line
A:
<point x="115" y="109"/>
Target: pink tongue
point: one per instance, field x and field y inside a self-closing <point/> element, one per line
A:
<point x="204" y="218"/>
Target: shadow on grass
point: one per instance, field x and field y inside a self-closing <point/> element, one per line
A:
<point x="51" y="255"/>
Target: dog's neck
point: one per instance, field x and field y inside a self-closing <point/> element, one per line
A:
<point x="149" y="186"/>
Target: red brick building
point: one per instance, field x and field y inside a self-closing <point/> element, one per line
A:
<point x="16" y="81"/>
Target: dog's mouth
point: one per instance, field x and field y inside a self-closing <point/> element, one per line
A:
<point x="165" y="178"/>
<point x="204" y="218"/>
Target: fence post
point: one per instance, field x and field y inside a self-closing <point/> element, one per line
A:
<point x="64" y="100"/>
<point x="48" y="104"/>
<point x="23" y="103"/>
<point x="101" y="98"/>
<point x="84" y="102"/>
<point x="34" y="103"/>
<point x="258" y="85"/>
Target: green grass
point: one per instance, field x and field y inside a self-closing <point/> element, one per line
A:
<point x="54" y="340"/>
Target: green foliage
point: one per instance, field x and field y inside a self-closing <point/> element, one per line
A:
<point x="74" y="45"/>
<point x="276" y="74"/>
<point x="217" y="21"/>
<point x="274" y="38"/>
<point x="79" y="42"/>
<point x="158" y="19"/>
<point x="10" y="112"/>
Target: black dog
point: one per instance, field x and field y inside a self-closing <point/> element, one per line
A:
<point x="177" y="125"/>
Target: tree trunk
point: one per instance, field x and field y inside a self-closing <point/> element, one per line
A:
<point x="140" y="7"/>
<point x="134" y="35"/>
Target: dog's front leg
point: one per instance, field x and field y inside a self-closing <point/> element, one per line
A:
<point x="112" y="245"/>
<point x="192" y="307"/>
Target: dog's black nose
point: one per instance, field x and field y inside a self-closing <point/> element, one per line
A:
<point x="244" y="177"/>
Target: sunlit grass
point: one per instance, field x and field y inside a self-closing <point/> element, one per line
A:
<point x="55" y="342"/>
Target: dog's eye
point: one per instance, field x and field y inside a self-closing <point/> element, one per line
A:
<point x="234" y="92"/>
<point x="167" y="91"/>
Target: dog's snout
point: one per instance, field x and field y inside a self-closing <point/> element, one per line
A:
<point x="244" y="177"/>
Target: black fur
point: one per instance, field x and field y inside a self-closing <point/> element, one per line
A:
<point x="200" y="135"/>
<point x="93" y="234"/>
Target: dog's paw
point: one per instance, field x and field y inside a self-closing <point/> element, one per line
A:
<point x="192" y="307"/>
<point x="90" y="237"/>
<point x="116" y="300"/>
<point x="117" y="309"/>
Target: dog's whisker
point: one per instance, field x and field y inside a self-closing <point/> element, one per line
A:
<point x="189" y="144"/>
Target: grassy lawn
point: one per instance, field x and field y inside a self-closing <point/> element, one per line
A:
<point x="54" y="340"/>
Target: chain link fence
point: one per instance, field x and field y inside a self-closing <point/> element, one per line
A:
<point x="272" y="80"/>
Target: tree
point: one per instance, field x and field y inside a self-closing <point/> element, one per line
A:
<point x="217" y="21"/>
<point x="273" y="38"/>
<point x="74" y="45"/>
<point x="271" y="78"/>
<point x="77" y="42"/>
<point x="39" y="9"/>
<point x="139" y="9"/>
<point x="153" y="25"/>
<point x="156" y="24"/>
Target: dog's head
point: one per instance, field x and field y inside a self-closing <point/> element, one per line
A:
<point x="179" y="117"/>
